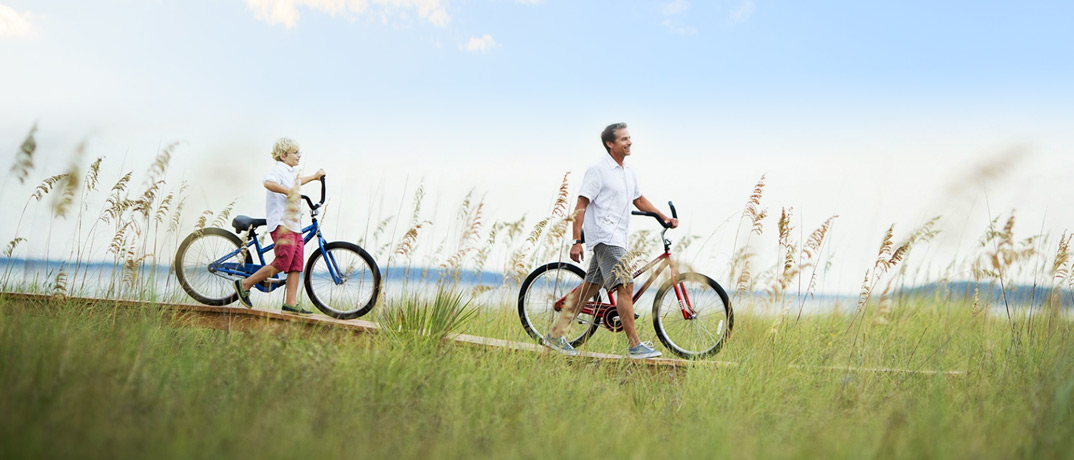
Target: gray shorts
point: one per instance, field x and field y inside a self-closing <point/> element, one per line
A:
<point x="607" y="267"/>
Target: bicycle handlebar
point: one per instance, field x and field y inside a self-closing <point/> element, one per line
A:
<point x="310" y="202"/>
<point x="674" y="215"/>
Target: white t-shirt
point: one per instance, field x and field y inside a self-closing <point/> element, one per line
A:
<point x="276" y="203"/>
<point x="611" y="190"/>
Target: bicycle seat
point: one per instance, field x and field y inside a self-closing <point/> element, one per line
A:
<point x="241" y="223"/>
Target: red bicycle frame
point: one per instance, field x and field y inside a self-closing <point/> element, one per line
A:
<point x="601" y="309"/>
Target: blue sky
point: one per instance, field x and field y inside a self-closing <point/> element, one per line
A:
<point x="869" y="110"/>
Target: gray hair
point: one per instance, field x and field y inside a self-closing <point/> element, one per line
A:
<point x="608" y="135"/>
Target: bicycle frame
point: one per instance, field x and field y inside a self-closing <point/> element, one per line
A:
<point x="661" y="262"/>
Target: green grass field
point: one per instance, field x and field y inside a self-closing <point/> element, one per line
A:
<point x="104" y="382"/>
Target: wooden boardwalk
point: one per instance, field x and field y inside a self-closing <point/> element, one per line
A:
<point x="239" y="318"/>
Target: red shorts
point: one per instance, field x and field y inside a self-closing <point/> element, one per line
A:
<point x="288" y="250"/>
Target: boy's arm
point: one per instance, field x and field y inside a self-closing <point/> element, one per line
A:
<point x="276" y="188"/>
<point x="312" y="177"/>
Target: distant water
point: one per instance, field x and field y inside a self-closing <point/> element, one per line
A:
<point x="158" y="282"/>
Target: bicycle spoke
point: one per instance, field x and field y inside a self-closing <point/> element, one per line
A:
<point x="540" y="293"/>
<point x="702" y="333"/>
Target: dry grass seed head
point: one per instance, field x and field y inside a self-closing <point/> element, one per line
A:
<point x="12" y="245"/>
<point x="419" y="195"/>
<point x="742" y="284"/>
<point x="24" y="158"/>
<point x="59" y="284"/>
<point x="410" y="239"/>
<point x="61" y="203"/>
<point x="884" y="254"/>
<point x="624" y="269"/>
<point x="173" y="225"/>
<point x="866" y="290"/>
<point x="223" y="215"/>
<point x="46" y="186"/>
<point x="92" y="175"/>
<point x="203" y="219"/>
<point x="753" y="208"/>
<point x="1062" y="256"/>
<point x="559" y="208"/>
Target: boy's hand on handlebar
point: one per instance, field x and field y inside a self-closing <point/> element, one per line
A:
<point x="319" y="174"/>
<point x="577" y="252"/>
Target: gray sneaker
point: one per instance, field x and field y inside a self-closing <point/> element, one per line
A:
<point x="643" y="350"/>
<point x="559" y="344"/>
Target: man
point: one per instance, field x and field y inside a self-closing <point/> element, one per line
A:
<point x="603" y="211"/>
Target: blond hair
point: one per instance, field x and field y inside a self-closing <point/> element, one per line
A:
<point x="283" y="146"/>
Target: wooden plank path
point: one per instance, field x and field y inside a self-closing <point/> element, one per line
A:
<point x="240" y="318"/>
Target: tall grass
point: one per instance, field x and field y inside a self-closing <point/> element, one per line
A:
<point x="129" y="382"/>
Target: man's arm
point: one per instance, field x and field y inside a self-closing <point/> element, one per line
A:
<point x="644" y="205"/>
<point x="579" y="215"/>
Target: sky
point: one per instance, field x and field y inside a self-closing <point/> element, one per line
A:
<point x="879" y="112"/>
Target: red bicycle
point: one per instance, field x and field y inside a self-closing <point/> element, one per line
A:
<point x="693" y="323"/>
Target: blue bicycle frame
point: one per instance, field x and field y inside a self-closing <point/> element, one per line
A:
<point x="222" y="265"/>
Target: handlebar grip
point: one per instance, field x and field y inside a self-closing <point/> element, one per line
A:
<point x="322" y="190"/>
<point x="674" y="213"/>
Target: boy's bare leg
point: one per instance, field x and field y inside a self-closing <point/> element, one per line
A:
<point x="290" y="296"/>
<point x="260" y="275"/>
<point x="571" y="307"/>
<point x="625" y="306"/>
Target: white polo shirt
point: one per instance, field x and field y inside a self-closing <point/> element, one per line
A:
<point x="611" y="190"/>
<point x="276" y="203"/>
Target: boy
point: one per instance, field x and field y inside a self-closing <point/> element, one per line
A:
<point x="284" y="225"/>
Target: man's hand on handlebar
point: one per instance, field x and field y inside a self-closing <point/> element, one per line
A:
<point x="672" y="223"/>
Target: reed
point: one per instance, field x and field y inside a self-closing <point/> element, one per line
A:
<point x="24" y="157"/>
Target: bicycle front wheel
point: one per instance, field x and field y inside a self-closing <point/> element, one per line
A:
<point x="343" y="281"/>
<point x="694" y="320"/>
<point x="196" y="261"/>
<point x="541" y="290"/>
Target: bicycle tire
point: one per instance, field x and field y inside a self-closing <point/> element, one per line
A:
<point x="359" y="288"/>
<point x="191" y="266"/>
<point x="699" y="336"/>
<point x="541" y="289"/>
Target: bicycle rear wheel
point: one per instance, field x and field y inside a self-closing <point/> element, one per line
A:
<point x="700" y="329"/>
<point x="541" y="290"/>
<point x="356" y="285"/>
<point x="195" y="270"/>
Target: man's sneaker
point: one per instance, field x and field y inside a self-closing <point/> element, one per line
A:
<point x="295" y="309"/>
<point x="559" y="344"/>
<point x="244" y="295"/>
<point x="643" y="350"/>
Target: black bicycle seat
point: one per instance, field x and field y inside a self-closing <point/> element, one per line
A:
<point x="241" y="223"/>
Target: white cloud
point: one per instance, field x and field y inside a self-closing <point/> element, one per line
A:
<point x="679" y="29"/>
<point x="743" y="13"/>
<point x="14" y="24"/>
<point x="675" y="25"/>
<point x="482" y="44"/>
<point x="676" y="7"/>
<point x="286" y="12"/>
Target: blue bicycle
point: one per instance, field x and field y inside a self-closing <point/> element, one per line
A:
<point x="341" y="279"/>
